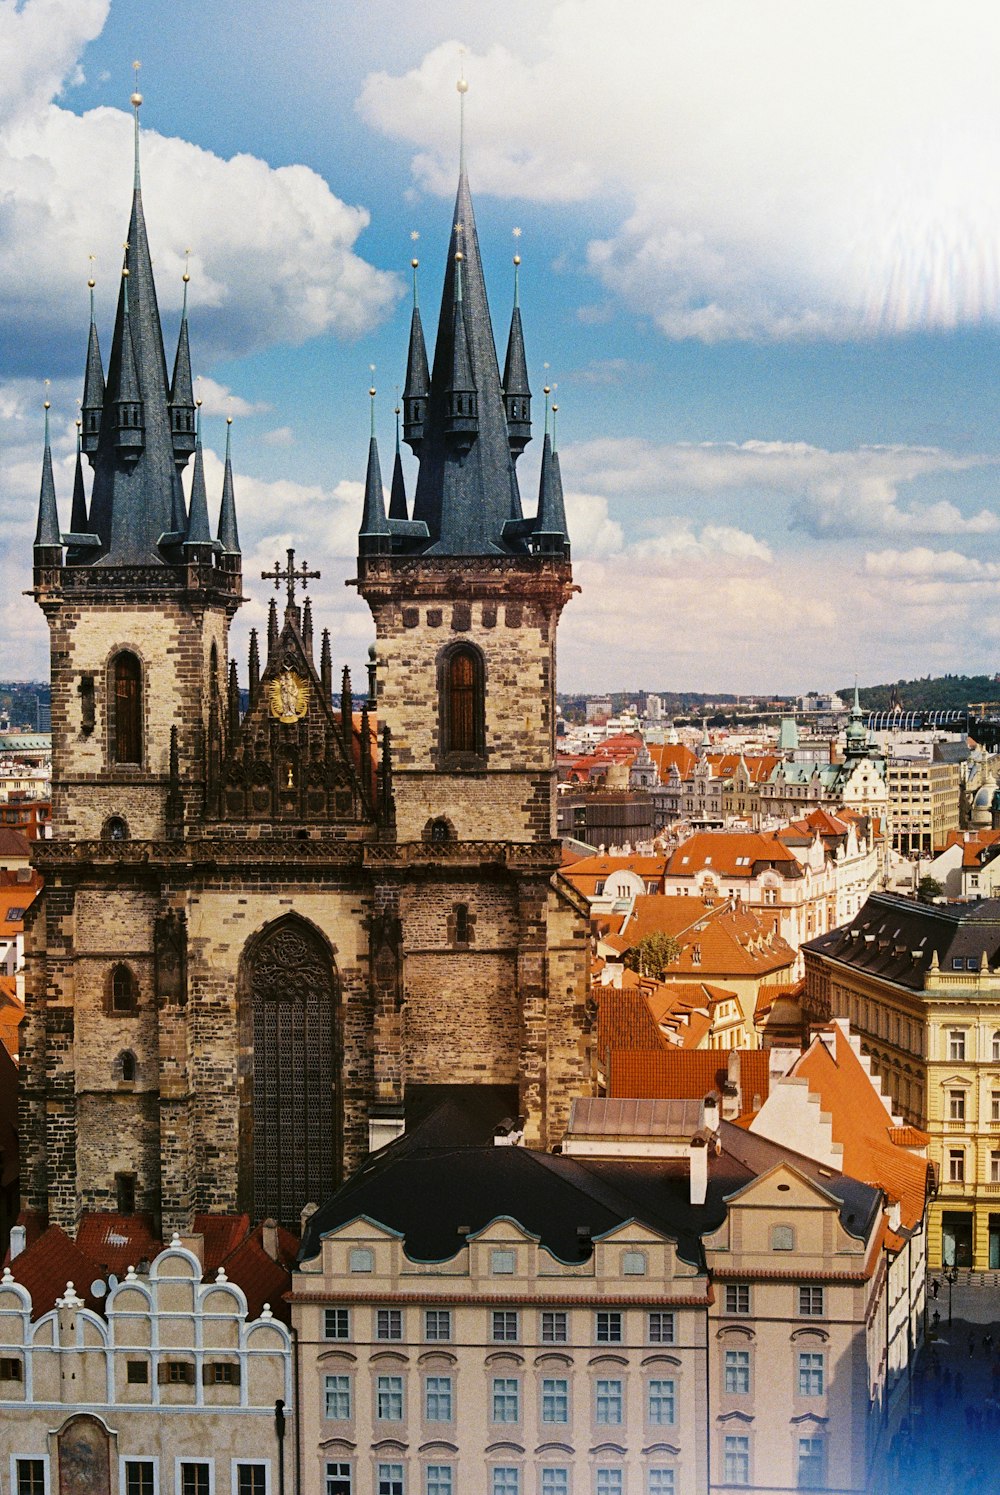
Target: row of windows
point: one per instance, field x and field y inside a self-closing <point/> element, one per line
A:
<point x="506" y="1399"/>
<point x="811" y="1299"/>
<point x="139" y="1478"/>
<point x="503" y="1259"/>
<point x="504" y="1479"/>
<point x="811" y="1470"/>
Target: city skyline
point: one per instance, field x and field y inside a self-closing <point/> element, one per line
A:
<point x="758" y="263"/>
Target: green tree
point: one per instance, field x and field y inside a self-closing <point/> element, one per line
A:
<point x="651" y="955"/>
<point x="928" y="889"/>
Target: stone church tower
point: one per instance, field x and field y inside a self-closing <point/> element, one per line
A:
<point x="262" y="933"/>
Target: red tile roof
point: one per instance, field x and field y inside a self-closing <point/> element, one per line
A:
<point x="717" y="942"/>
<point x="679" y="1074"/>
<point x="14" y="899"/>
<point x="116" y="1242"/>
<point x="732" y="854"/>
<point x="221" y="1235"/>
<point x="263" y="1279"/>
<point x="668" y="755"/>
<point x="46" y="1266"/>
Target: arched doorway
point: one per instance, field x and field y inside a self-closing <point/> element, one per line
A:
<point x="290" y="1096"/>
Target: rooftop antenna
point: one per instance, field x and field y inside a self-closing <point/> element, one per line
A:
<point x="136" y="102"/>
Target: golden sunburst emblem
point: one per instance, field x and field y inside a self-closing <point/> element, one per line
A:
<point x="289" y="696"/>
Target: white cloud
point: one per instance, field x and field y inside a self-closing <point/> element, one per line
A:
<point x="789" y="170"/>
<point x="218" y="399"/>
<point x="921" y="563"/>
<point x="273" y="250"/>
<point x="280" y="436"/>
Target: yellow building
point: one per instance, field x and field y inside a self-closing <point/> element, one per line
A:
<point x="924" y="799"/>
<point x="920" y="983"/>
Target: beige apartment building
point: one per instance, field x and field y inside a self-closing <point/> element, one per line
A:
<point x="923" y="805"/>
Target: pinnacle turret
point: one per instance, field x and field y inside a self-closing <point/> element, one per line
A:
<point x="418" y="380"/>
<point x="47" y="533"/>
<point x="182" y="406"/>
<point x="78" y="513"/>
<point x="199" y="535"/>
<point x="375" y="536"/>
<point x="516" y="390"/>
<point x="229" y="537"/>
<point x="397" y="491"/>
<point x="93" y="386"/>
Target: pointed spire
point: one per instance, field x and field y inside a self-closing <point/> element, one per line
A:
<point x="549" y="537"/>
<point x="397" y="493"/>
<point x="272" y="627"/>
<point x="254" y="666"/>
<point x="461" y="400"/>
<point x="229" y="537"/>
<point x="418" y="380"/>
<point x="198" y="530"/>
<point x="127" y="396"/>
<point x="374" y="537"/>
<point x="93" y="384"/>
<point x="365" y="764"/>
<point x="346" y="712"/>
<point x="47" y="532"/>
<point x="78" y="513"/>
<point x="307" y="627"/>
<point x="182" y="404"/>
<point x="516" y="390"/>
<point x="234" y="702"/>
<point x="388" y="806"/>
<point x="136" y="102"/>
<point x="326" y="667"/>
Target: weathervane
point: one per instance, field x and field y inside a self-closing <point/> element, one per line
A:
<point x="290" y="576"/>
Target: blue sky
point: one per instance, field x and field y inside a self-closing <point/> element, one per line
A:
<point x="759" y="258"/>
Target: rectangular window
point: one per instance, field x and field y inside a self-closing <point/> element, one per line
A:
<point x="608" y="1326"/>
<point x="220" y="1373"/>
<point x="338" y="1479"/>
<point x="30" y="1477"/>
<point x="555" y="1481"/>
<point x="137" y="1372"/>
<point x="811" y="1464"/>
<point x="555" y="1400"/>
<point x="995" y="1167"/>
<point x="662" y="1403"/>
<point x="956" y="1165"/>
<point x="811" y="1302"/>
<point x="195" y="1479"/>
<point x="737" y="1297"/>
<point x="995" y="1105"/>
<point x="505" y="1326"/>
<point x="389" y="1398"/>
<point x="139" y="1477"/>
<point x="336" y="1323"/>
<point x="502" y="1263"/>
<point x="251" y="1479"/>
<point x="337" y="1398"/>
<point x="660" y="1482"/>
<point x="10" y="1368"/>
<point x="438" y="1480"/>
<point x="660" y="1327"/>
<point x="956" y="1043"/>
<point x="608" y="1401"/>
<point x="737" y="1372"/>
<point x="506" y="1399"/>
<point x="956" y="1105"/>
<point x="437" y="1399"/>
<point x="506" y="1480"/>
<point x="610" y="1482"/>
<point x="736" y="1460"/>
<point x="810" y="1375"/>
<point x="361" y="1259"/>
<point x="390" y="1479"/>
<point x="388" y="1323"/>
<point x="555" y="1326"/>
<point x="437" y="1323"/>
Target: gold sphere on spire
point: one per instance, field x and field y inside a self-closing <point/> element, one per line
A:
<point x="229" y="420"/>
<point x="554" y="409"/>
<point x="414" y="263"/>
<point x="546" y="390"/>
<point x="372" y="391"/>
<point x="517" y="259"/>
<point x="124" y="272"/>
<point x="136" y="100"/>
<point x="462" y="85"/>
<point x="459" y="256"/>
<point x="91" y="282"/>
<point x="185" y="277"/>
<point x="48" y="404"/>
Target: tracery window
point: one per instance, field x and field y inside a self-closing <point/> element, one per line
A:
<point x="462" y="702"/>
<point x="127" y="725"/>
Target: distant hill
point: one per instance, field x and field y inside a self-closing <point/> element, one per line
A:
<point x="940" y="693"/>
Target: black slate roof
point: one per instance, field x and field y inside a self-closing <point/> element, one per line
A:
<point x="896" y="938"/>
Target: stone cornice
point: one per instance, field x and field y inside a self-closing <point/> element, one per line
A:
<point x="538" y="579"/>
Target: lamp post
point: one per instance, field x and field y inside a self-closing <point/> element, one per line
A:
<point x="951" y="1277"/>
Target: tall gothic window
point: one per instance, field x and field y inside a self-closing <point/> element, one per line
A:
<point x="290" y="1102"/>
<point x="127" y="726"/>
<point x="462" y="702"/>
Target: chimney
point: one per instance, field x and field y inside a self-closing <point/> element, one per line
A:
<point x="307" y="1213"/>
<point x="730" y="1102"/>
<point x="894" y="1215"/>
<point x="698" y="1156"/>
<point x="18" y="1240"/>
<point x="710" y="1112"/>
<point x="269" y="1238"/>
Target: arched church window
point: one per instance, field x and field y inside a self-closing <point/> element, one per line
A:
<point x="462" y="703"/>
<point x="114" y="829"/>
<point x="124" y="990"/>
<point x="125" y="1065"/>
<point x="127" y="725"/>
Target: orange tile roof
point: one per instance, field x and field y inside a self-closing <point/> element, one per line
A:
<point x="678" y="1074"/>
<point x="14" y="845"/>
<point x="861" y="1125"/>
<point x="15" y="897"/>
<point x="624" y="1021"/>
<point x="221" y="1235"/>
<point x="732" y="854"/>
<point x="717" y="942"/>
<point x="909" y="1136"/>
<point x="587" y="872"/>
<point x="46" y="1266"/>
<point x="768" y="993"/>
<point x="759" y="766"/>
<point x="668" y="755"/>
<point x="116" y="1242"/>
<point x="263" y="1279"/>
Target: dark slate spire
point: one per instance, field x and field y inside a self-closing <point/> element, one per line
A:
<point x="78" y="513"/>
<point x="199" y="534"/>
<point x="136" y="496"/>
<point x="516" y="390"/>
<point x="418" y="379"/>
<point x="93" y="385"/>
<point x="182" y="407"/>
<point x="550" y="536"/>
<point x="229" y="537"/>
<point x="47" y="532"/>
<point x="374" y="537"/>
<point x="461" y="419"/>
<point x="466" y="493"/>
<point x="397" y="493"/>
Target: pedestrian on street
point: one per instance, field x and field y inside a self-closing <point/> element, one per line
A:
<point x="935" y="1286"/>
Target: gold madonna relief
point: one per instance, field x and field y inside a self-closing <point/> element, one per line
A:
<point x="289" y="696"/>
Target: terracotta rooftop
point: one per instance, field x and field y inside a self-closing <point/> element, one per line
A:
<point x="718" y="943"/>
<point x="116" y="1242"/>
<point x="46" y="1266"/>
<point x="685" y="1075"/>
<point x="732" y="854"/>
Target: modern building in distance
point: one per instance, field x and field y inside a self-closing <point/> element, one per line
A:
<point x="924" y="803"/>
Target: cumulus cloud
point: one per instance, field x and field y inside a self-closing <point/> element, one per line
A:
<point x="218" y="399"/>
<point x="273" y="249"/>
<point x="787" y="170"/>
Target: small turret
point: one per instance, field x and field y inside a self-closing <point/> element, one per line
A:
<point x="93" y="386"/>
<point x="272" y="627"/>
<point x="127" y="397"/>
<point x="550" y="535"/>
<point x="48" y="537"/>
<point x="326" y="667"/>
<point x="516" y="390"/>
<point x="182" y="406"/>
<point x="229" y="537"/>
<point x="198" y="539"/>
<point x="346" y="712"/>
<point x="418" y="379"/>
<point x="461" y="421"/>
<point x="254" y="666"/>
<point x="397" y="492"/>
<point x="375" y="536"/>
<point x="307" y="628"/>
<point x="78" y="513"/>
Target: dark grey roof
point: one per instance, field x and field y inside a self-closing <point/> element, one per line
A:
<point x="229" y="537"/>
<point x="374" y="535"/>
<point x="418" y="379"/>
<point x="895" y="938"/>
<point x="397" y="492"/>
<point x="198" y="530"/>
<point x="47" y="530"/>
<point x="93" y="381"/>
<point x="78" y="513"/>
<point x="550" y="526"/>
<point x="515" y="369"/>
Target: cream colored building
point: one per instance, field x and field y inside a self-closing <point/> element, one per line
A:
<point x="169" y="1391"/>
<point x="924" y="803"/>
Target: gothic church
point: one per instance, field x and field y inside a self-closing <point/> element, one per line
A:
<point x="261" y="932"/>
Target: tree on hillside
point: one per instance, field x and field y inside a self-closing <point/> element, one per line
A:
<point x="651" y="955"/>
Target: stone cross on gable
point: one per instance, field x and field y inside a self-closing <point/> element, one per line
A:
<point x="290" y="576"/>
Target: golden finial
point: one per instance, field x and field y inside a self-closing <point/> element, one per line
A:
<point x="459" y="256"/>
<point x="547" y="390"/>
<point x="415" y="264"/>
<point x="517" y="259"/>
<point x="187" y="275"/>
<point x="91" y="281"/>
<point x="125" y="272"/>
<point x="373" y="391"/>
<point x="229" y="420"/>
<point x="48" y="402"/>
<point x="136" y="96"/>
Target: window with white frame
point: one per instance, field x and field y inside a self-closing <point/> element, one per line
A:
<point x="736" y="1459"/>
<point x="336" y="1323"/>
<point x="995" y="1047"/>
<point x="956" y="1105"/>
<point x="660" y="1327"/>
<point x="608" y="1401"/>
<point x="661" y="1403"/>
<point x="610" y="1481"/>
<point x="555" y="1480"/>
<point x="811" y="1366"/>
<point x="555" y="1399"/>
<point x="956" y="1043"/>
<point x="337" y="1398"/>
<point x="811" y="1464"/>
<point x="251" y="1479"/>
<point x="555" y="1326"/>
<point x="659" y="1480"/>
<point x="994" y="1166"/>
<point x="995" y="1105"/>
<point x="437" y="1324"/>
<point x="956" y="1165"/>
<point x="389" y="1398"/>
<point x="608" y="1326"/>
<point x="438" y="1479"/>
<point x="390" y="1479"/>
<point x="506" y="1399"/>
<point x="505" y="1327"/>
<point x="506" y="1480"/>
<point x="196" y="1479"/>
<point x="388" y="1323"/>
<point x="338" y="1478"/>
<point x="737" y="1372"/>
<point x="30" y="1475"/>
<point x="438" y="1399"/>
<point x="810" y="1301"/>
